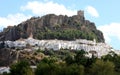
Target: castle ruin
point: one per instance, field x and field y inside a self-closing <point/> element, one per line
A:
<point x="80" y="13"/>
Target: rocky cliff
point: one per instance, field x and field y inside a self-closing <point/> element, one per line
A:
<point x="7" y="56"/>
<point x="54" y="27"/>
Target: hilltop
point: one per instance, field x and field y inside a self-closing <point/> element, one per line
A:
<point x="53" y="26"/>
<point x="51" y="34"/>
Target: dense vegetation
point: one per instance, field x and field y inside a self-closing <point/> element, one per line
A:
<point x="66" y="62"/>
<point x="68" y="34"/>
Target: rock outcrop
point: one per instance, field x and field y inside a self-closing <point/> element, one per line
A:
<point x="7" y="56"/>
<point x="52" y="23"/>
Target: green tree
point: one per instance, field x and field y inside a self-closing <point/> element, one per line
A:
<point x="102" y="68"/>
<point x="113" y="57"/>
<point x="69" y="59"/>
<point x="45" y="68"/>
<point x="80" y="57"/>
<point x="21" y="68"/>
<point x="74" y="69"/>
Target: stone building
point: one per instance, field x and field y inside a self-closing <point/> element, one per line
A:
<point x="80" y="13"/>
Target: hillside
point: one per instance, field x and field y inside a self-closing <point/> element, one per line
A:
<point x="59" y="45"/>
<point x="54" y="27"/>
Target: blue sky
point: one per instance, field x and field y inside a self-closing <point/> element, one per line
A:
<point x="104" y="13"/>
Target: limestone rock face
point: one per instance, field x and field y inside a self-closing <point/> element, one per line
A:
<point x="7" y="56"/>
<point x="52" y="23"/>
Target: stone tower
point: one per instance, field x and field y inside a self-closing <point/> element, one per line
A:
<point x="80" y="13"/>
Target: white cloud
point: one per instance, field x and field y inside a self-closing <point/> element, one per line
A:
<point x="110" y="30"/>
<point x="37" y="8"/>
<point x="92" y="11"/>
<point x="12" y="19"/>
<point x="42" y="8"/>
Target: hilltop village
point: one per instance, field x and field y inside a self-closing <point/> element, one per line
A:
<point x="99" y="49"/>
